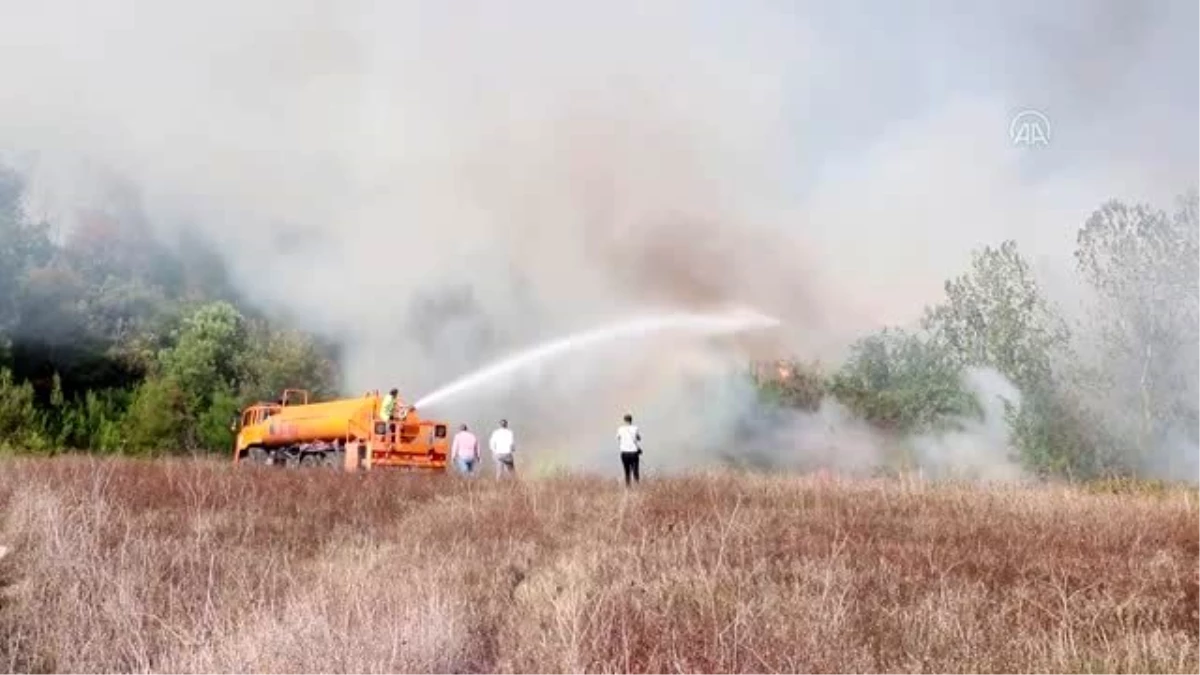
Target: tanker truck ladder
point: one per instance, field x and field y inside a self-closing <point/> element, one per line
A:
<point x="356" y="449"/>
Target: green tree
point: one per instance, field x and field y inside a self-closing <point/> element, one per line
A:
<point x="208" y="354"/>
<point x="1143" y="265"/>
<point x="19" y="420"/>
<point x="901" y="382"/>
<point x="280" y="358"/>
<point x="995" y="315"/>
<point x="199" y="374"/>
<point x="212" y="423"/>
<point x="158" y="418"/>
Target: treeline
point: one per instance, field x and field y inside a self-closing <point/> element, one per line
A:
<point x="112" y="342"/>
<point x="1108" y="384"/>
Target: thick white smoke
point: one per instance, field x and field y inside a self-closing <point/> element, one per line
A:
<point x="978" y="448"/>
<point x="435" y="184"/>
<point x="832" y="438"/>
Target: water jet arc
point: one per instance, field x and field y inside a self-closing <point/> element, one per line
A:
<point x="702" y="324"/>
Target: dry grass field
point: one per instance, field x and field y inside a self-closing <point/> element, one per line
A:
<point x="121" y="565"/>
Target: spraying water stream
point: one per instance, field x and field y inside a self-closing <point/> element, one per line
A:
<point x="701" y="324"/>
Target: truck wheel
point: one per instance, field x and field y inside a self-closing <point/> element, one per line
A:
<point x="312" y="459"/>
<point x="257" y="455"/>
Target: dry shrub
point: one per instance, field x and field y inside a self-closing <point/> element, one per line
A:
<point x="188" y="566"/>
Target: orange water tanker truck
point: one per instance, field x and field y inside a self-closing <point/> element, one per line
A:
<point x="346" y="433"/>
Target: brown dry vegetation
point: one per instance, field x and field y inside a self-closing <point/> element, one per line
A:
<point x="124" y="565"/>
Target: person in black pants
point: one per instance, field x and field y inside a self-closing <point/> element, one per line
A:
<point x="629" y="443"/>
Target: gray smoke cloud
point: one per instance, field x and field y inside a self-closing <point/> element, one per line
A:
<point x="832" y="439"/>
<point x="978" y="448"/>
<point x="438" y="184"/>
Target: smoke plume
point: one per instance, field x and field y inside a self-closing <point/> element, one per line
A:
<point x="832" y="439"/>
<point x="436" y="185"/>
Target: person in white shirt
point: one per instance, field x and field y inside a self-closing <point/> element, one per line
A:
<point x="502" y="445"/>
<point x="629" y="443"/>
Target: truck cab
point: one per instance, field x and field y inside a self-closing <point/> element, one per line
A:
<point x="250" y="427"/>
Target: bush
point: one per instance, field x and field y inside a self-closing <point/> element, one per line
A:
<point x="20" y="424"/>
<point x="794" y="384"/>
<point x="900" y="382"/>
<point x="157" y="417"/>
